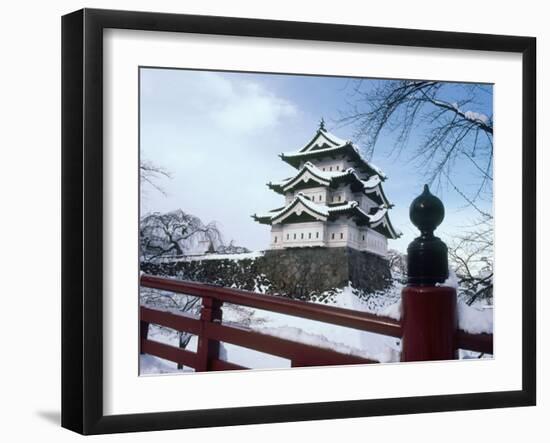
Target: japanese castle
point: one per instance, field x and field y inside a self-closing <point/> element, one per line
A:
<point x="335" y="199"/>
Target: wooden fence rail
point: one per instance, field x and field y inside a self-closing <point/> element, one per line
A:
<point x="210" y="330"/>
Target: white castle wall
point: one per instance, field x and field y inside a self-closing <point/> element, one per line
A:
<point x="376" y="243"/>
<point x="298" y="235"/>
<point x="365" y="203"/>
<point x="342" y="232"/>
<point x="339" y="163"/>
<point x="317" y="195"/>
<point x="340" y="195"/>
<point x="323" y="196"/>
<point x="337" y="234"/>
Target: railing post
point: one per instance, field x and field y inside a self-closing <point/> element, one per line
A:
<point x="429" y="319"/>
<point x="208" y="350"/>
<point x="143" y="334"/>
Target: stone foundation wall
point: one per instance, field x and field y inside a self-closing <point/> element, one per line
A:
<point x="304" y="274"/>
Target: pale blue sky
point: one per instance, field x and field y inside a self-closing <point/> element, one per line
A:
<point x="219" y="134"/>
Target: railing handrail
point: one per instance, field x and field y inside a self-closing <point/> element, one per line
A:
<point x="328" y="314"/>
<point x="474" y="342"/>
<point x="297" y="352"/>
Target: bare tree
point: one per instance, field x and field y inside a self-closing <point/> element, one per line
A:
<point x="174" y="302"/>
<point x="168" y="234"/>
<point x="398" y="265"/>
<point x="471" y="255"/>
<point x="449" y="129"/>
<point x="151" y="173"/>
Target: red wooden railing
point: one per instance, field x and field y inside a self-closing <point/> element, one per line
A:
<point x="210" y="329"/>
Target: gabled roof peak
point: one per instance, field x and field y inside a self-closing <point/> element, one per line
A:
<point x="326" y="144"/>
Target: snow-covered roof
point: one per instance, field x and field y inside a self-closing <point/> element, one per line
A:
<point x="321" y="210"/>
<point x="378" y="219"/>
<point x="377" y="170"/>
<point x="331" y="178"/>
<point x="372" y="182"/>
<point x="363" y="177"/>
<point x="325" y="143"/>
<point x="379" y="214"/>
<point x="314" y="170"/>
<point x="380" y="222"/>
<point x="322" y="139"/>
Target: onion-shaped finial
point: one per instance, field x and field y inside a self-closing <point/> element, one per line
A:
<point x="427" y="262"/>
<point x="427" y="212"/>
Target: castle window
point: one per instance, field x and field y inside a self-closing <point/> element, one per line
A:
<point x="317" y="235"/>
<point x="363" y="238"/>
<point x="337" y="168"/>
<point x="302" y="236"/>
<point x="330" y="169"/>
<point x="332" y="236"/>
<point x="309" y="235"/>
<point x="275" y="241"/>
<point x="341" y="235"/>
<point x="287" y="236"/>
<point x="324" y="169"/>
<point x="294" y="236"/>
<point x="320" y="198"/>
<point x="339" y="198"/>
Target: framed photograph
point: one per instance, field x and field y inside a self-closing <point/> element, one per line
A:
<point x="269" y="221"/>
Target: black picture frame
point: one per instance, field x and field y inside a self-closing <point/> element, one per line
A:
<point x="82" y="215"/>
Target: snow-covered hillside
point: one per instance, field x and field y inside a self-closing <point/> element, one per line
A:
<point x="474" y="319"/>
<point x="183" y="238"/>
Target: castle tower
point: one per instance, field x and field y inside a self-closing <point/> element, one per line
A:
<point x="335" y="199"/>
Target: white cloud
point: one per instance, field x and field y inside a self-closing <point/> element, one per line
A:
<point x="249" y="107"/>
<point x="219" y="135"/>
<point x="234" y="105"/>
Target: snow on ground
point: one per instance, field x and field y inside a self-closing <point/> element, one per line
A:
<point x="451" y="282"/>
<point x="251" y="359"/>
<point x="375" y="348"/>
<point x="214" y="256"/>
<point x="377" y="303"/>
<point x="339" y="338"/>
<point x="151" y="365"/>
<point x="391" y="311"/>
<point x="473" y="319"/>
<point x="476" y="318"/>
